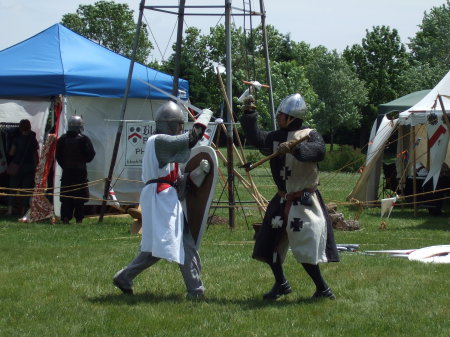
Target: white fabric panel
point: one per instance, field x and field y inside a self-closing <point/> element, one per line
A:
<point x="366" y="188"/>
<point x="438" y="135"/>
<point x="36" y="111"/>
<point x="417" y="114"/>
<point x="101" y="117"/>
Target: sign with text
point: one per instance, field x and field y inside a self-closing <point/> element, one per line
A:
<point x="138" y="133"/>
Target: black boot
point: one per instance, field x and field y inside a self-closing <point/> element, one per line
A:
<point x="327" y="293"/>
<point x="278" y="290"/>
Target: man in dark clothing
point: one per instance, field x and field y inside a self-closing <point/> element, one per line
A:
<point x="23" y="152"/>
<point x="296" y="216"/>
<point x="73" y="151"/>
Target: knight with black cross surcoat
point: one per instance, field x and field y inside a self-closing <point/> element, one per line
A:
<point x="296" y="216"/>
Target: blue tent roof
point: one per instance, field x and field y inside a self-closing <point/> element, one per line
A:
<point x="60" y="61"/>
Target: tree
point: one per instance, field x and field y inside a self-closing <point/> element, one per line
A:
<point x="340" y="92"/>
<point x="111" y="25"/>
<point x="431" y="44"/>
<point x="419" y="76"/>
<point x="379" y="61"/>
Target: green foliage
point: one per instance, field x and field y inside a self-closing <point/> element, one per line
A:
<point x="432" y="42"/>
<point x="379" y="62"/>
<point x="111" y="25"/>
<point x="340" y="92"/>
<point x="345" y="159"/>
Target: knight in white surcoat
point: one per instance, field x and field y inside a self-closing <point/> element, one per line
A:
<point x="296" y="216"/>
<point x="164" y="234"/>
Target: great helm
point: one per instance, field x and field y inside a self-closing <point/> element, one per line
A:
<point x="168" y="117"/>
<point x="293" y="105"/>
<point x="75" y="124"/>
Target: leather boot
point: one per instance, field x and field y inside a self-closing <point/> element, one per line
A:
<point x="278" y="290"/>
<point x="327" y="293"/>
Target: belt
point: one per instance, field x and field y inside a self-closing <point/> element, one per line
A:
<point x="161" y="181"/>
<point x="162" y="184"/>
<point x="291" y="196"/>
<point x="304" y="196"/>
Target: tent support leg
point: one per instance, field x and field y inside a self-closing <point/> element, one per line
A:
<point x="124" y="107"/>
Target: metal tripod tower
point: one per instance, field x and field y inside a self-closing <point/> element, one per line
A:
<point x="181" y="11"/>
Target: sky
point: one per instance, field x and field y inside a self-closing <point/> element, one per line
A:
<point x="331" y="23"/>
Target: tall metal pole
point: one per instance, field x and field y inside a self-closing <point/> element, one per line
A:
<point x="124" y="107"/>
<point x="176" y="74"/>
<point x="231" y="201"/>
<point x="266" y="54"/>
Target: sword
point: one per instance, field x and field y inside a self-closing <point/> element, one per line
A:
<point x="180" y="101"/>
<point x="177" y="99"/>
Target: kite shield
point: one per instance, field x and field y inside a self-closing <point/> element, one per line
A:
<point x="198" y="199"/>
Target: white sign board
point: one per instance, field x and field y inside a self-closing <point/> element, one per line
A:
<point x="137" y="134"/>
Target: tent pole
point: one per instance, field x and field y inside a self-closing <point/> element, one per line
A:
<point x="176" y="74"/>
<point x="401" y="132"/>
<point x="124" y="107"/>
<point x="413" y="135"/>
<point x="266" y="54"/>
<point x="230" y="185"/>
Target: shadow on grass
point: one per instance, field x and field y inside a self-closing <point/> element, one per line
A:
<point x="245" y="304"/>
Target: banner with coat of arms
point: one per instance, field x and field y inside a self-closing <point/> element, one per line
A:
<point x="138" y="132"/>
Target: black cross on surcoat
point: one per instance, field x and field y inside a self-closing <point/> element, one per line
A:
<point x="296" y="224"/>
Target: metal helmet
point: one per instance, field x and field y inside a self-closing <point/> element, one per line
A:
<point x="168" y="117"/>
<point x="75" y="124"/>
<point x="293" y="105"/>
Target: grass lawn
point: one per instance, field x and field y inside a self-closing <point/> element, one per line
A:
<point x="55" y="280"/>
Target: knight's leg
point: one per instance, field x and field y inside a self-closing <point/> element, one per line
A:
<point x="123" y="279"/>
<point x="281" y="286"/>
<point x="322" y="289"/>
<point x="191" y="268"/>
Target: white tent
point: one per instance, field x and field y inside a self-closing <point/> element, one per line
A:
<point x="422" y="134"/>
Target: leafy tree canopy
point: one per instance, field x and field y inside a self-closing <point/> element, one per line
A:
<point x="340" y="92"/>
<point x="111" y="25"/>
<point x="431" y="44"/>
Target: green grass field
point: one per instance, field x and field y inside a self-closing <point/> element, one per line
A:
<point x="55" y="280"/>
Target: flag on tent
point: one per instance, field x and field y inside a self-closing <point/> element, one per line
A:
<point x="387" y="205"/>
<point x="112" y="196"/>
<point x="437" y="142"/>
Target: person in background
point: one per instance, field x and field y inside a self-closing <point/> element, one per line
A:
<point x="165" y="233"/>
<point x="296" y="216"/>
<point x="24" y="154"/>
<point x="73" y="151"/>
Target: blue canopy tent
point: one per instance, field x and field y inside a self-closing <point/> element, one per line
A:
<point x="91" y="80"/>
<point x="59" y="61"/>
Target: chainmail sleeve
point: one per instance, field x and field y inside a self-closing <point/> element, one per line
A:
<point x="256" y="137"/>
<point x="171" y="149"/>
<point x="313" y="150"/>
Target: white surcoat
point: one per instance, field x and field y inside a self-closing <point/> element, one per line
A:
<point x="306" y="229"/>
<point x="162" y="215"/>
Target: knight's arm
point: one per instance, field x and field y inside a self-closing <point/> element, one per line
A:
<point x="170" y="149"/>
<point x="312" y="150"/>
<point x="256" y="137"/>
